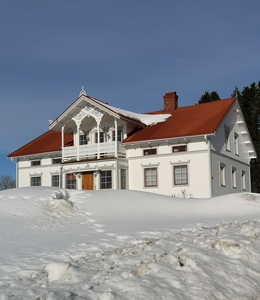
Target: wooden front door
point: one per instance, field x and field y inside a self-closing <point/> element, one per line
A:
<point x="87" y="181"/>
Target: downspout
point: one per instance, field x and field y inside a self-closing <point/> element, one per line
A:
<point x="61" y="176"/>
<point x="16" y="172"/>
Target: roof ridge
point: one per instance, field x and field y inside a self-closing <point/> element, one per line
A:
<point x="188" y="106"/>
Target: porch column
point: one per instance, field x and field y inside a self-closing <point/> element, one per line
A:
<point x="78" y="138"/>
<point x="116" y="138"/>
<point x="62" y="142"/>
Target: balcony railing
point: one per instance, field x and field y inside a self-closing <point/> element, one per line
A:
<point x="93" y="151"/>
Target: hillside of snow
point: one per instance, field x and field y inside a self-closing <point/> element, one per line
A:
<point x="66" y="244"/>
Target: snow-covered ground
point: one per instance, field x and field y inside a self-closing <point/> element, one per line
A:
<point x="64" y="244"/>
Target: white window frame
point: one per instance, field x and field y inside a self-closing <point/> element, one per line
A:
<point x="55" y="181"/>
<point x="234" y="177"/>
<point x="71" y="183"/>
<point x="35" y="162"/>
<point x="83" y="139"/>
<point x="119" y="135"/>
<point x="227" y="139"/>
<point x="150" y="180"/>
<point x="243" y="180"/>
<point x="222" y="174"/>
<point x="183" y="180"/>
<point x="105" y="180"/>
<point x="34" y="178"/>
<point x="236" y="143"/>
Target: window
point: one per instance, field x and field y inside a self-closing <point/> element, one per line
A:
<point x="150" y="177"/>
<point x="227" y="139"/>
<point x="234" y="177"/>
<point x="106" y="179"/>
<point x="222" y="171"/>
<point x="35" y="163"/>
<point x="119" y="135"/>
<point x="35" y="181"/>
<point x="179" y="148"/>
<point x="123" y="179"/>
<point x="56" y="161"/>
<point x="101" y="137"/>
<point x="243" y="180"/>
<point x="70" y="181"/>
<point x="236" y="142"/>
<point x="83" y="139"/>
<point x="180" y="175"/>
<point x="55" y="180"/>
<point x="150" y="151"/>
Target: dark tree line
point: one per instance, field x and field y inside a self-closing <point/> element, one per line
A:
<point x="249" y="101"/>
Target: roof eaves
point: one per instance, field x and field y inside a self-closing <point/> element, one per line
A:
<point x="167" y="139"/>
<point x="32" y="154"/>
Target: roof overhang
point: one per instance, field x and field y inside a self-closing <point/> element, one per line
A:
<point x="174" y="140"/>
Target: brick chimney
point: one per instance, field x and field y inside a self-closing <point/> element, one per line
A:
<point x="170" y="101"/>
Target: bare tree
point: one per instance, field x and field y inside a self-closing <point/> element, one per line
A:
<point x="7" y="182"/>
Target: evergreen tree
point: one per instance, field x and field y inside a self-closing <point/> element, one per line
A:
<point x="249" y="100"/>
<point x="209" y="97"/>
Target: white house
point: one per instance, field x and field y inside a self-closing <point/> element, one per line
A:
<point x="196" y="151"/>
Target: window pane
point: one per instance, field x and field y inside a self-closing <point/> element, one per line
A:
<point x="180" y="175"/>
<point x="119" y="135"/>
<point x="70" y="181"/>
<point x="150" y="177"/>
<point x="222" y="175"/>
<point x="83" y="139"/>
<point x="123" y="179"/>
<point x="150" y="151"/>
<point x="35" y="181"/>
<point x="101" y="137"/>
<point x="106" y="179"/>
<point x="56" y="161"/>
<point x="243" y="180"/>
<point x="55" y="180"/>
<point x="35" y="163"/>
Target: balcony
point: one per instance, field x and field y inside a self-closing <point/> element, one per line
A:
<point x="91" y="151"/>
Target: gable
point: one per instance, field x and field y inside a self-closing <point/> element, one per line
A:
<point x="89" y="106"/>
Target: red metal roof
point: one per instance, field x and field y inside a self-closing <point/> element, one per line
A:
<point x="50" y="141"/>
<point x="186" y="121"/>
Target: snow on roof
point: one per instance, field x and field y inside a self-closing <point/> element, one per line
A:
<point x="144" y="118"/>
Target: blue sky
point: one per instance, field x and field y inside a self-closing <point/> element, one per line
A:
<point x="126" y="53"/>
